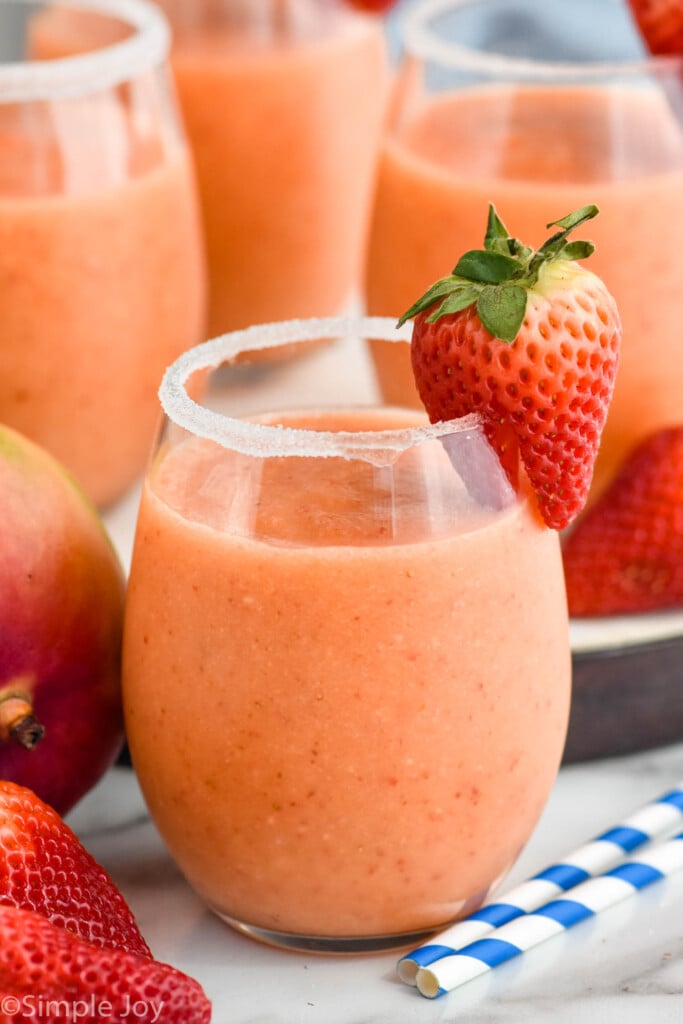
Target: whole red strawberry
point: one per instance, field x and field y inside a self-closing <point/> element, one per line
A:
<point x="530" y="341"/>
<point x="51" y="975"/>
<point x="44" y="868"/>
<point x="661" y="24"/>
<point x="626" y="553"/>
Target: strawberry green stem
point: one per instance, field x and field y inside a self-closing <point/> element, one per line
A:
<point x="498" y="278"/>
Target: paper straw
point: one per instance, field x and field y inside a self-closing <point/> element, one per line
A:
<point x="652" y="821"/>
<point x="587" y="899"/>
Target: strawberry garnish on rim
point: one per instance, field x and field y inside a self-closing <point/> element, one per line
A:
<point x="661" y="25"/>
<point x="529" y="340"/>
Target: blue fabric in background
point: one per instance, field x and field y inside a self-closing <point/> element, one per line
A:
<point x="582" y="29"/>
<point x="512" y="28"/>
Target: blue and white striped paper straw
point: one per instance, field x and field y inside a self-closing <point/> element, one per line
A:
<point x="587" y="899"/>
<point x="652" y="821"/>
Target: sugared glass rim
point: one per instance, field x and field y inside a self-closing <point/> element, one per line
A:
<point x="95" y="71"/>
<point x="266" y="441"/>
<point x="419" y="40"/>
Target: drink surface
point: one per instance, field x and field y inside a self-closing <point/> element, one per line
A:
<point x="344" y="723"/>
<point x="537" y="154"/>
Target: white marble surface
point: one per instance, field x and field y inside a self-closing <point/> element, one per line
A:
<point x="622" y="967"/>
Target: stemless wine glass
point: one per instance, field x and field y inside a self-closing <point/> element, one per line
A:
<point x="540" y="108"/>
<point x="101" y="255"/>
<point x="346" y="656"/>
<point x="283" y="102"/>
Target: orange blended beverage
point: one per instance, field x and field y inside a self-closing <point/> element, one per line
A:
<point x="283" y="102"/>
<point x="534" y="137"/>
<point x="346" y="660"/>
<point x="101" y="261"/>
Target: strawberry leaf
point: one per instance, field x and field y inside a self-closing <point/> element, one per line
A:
<point x="552" y="246"/>
<point x="501" y="309"/>
<point x="572" y="220"/>
<point x="579" y="250"/>
<point x="459" y="299"/>
<point x="495" y="229"/>
<point x="486" y="267"/>
<point x="498" y="239"/>
<point x="438" y="290"/>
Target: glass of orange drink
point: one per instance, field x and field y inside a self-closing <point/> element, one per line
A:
<point x="346" y="655"/>
<point x="283" y="103"/>
<point x="538" y="106"/>
<point x="102" y="275"/>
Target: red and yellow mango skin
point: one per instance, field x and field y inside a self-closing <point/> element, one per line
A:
<point x="61" y="611"/>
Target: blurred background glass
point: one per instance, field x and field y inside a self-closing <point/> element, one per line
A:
<point x="101" y="256"/>
<point x="541" y="109"/>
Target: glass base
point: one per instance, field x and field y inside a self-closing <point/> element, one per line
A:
<point x="327" y="943"/>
